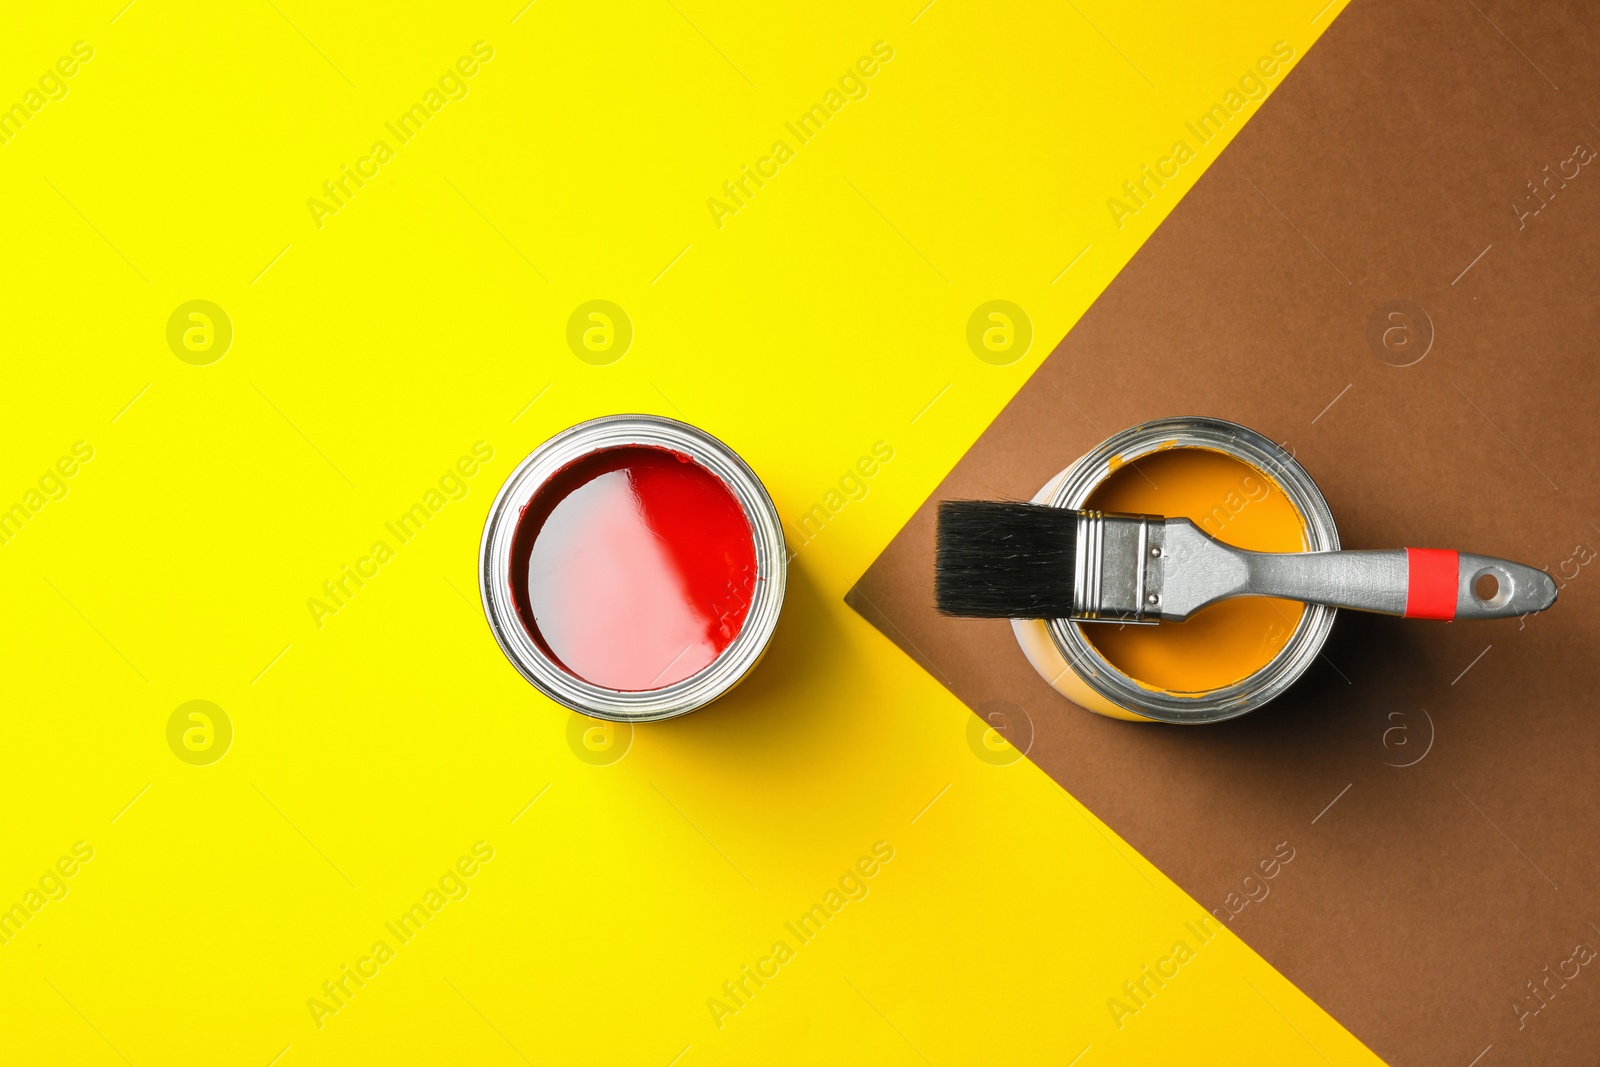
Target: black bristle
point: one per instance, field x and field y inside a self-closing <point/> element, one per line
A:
<point x="1000" y="560"/>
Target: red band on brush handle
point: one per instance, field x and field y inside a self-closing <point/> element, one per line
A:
<point x="1432" y="576"/>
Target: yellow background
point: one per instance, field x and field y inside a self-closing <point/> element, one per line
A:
<point x="429" y="313"/>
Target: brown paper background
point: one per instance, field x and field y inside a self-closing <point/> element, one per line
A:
<point x="1419" y="904"/>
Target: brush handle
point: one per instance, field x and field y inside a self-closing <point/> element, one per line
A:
<point x="1417" y="583"/>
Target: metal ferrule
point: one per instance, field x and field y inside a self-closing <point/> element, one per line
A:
<point x="1117" y="568"/>
<point x="1077" y="667"/>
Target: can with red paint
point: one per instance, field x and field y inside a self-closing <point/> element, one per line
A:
<point x="632" y="568"/>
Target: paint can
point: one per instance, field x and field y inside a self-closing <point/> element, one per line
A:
<point x="678" y="482"/>
<point x="1213" y="472"/>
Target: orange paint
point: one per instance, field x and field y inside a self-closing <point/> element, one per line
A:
<point x="1233" y="502"/>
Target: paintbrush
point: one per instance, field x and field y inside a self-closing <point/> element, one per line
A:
<point x="1004" y="560"/>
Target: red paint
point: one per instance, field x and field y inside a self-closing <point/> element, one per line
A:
<point x="1432" y="575"/>
<point x="633" y="567"/>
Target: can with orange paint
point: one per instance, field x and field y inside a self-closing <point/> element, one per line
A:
<point x="1231" y="657"/>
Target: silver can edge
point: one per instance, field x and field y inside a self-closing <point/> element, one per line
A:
<point x="699" y="689"/>
<point x="1322" y="535"/>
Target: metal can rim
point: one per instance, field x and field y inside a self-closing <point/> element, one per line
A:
<point x="555" y="681"/>
<point x="1322" y="535"/>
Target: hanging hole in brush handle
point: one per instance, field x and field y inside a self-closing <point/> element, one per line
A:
<point x="1444" y="584"/>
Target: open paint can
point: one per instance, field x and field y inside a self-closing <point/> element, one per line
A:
<point x="632" y="568"/>
<point x="1231" y="657"/>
